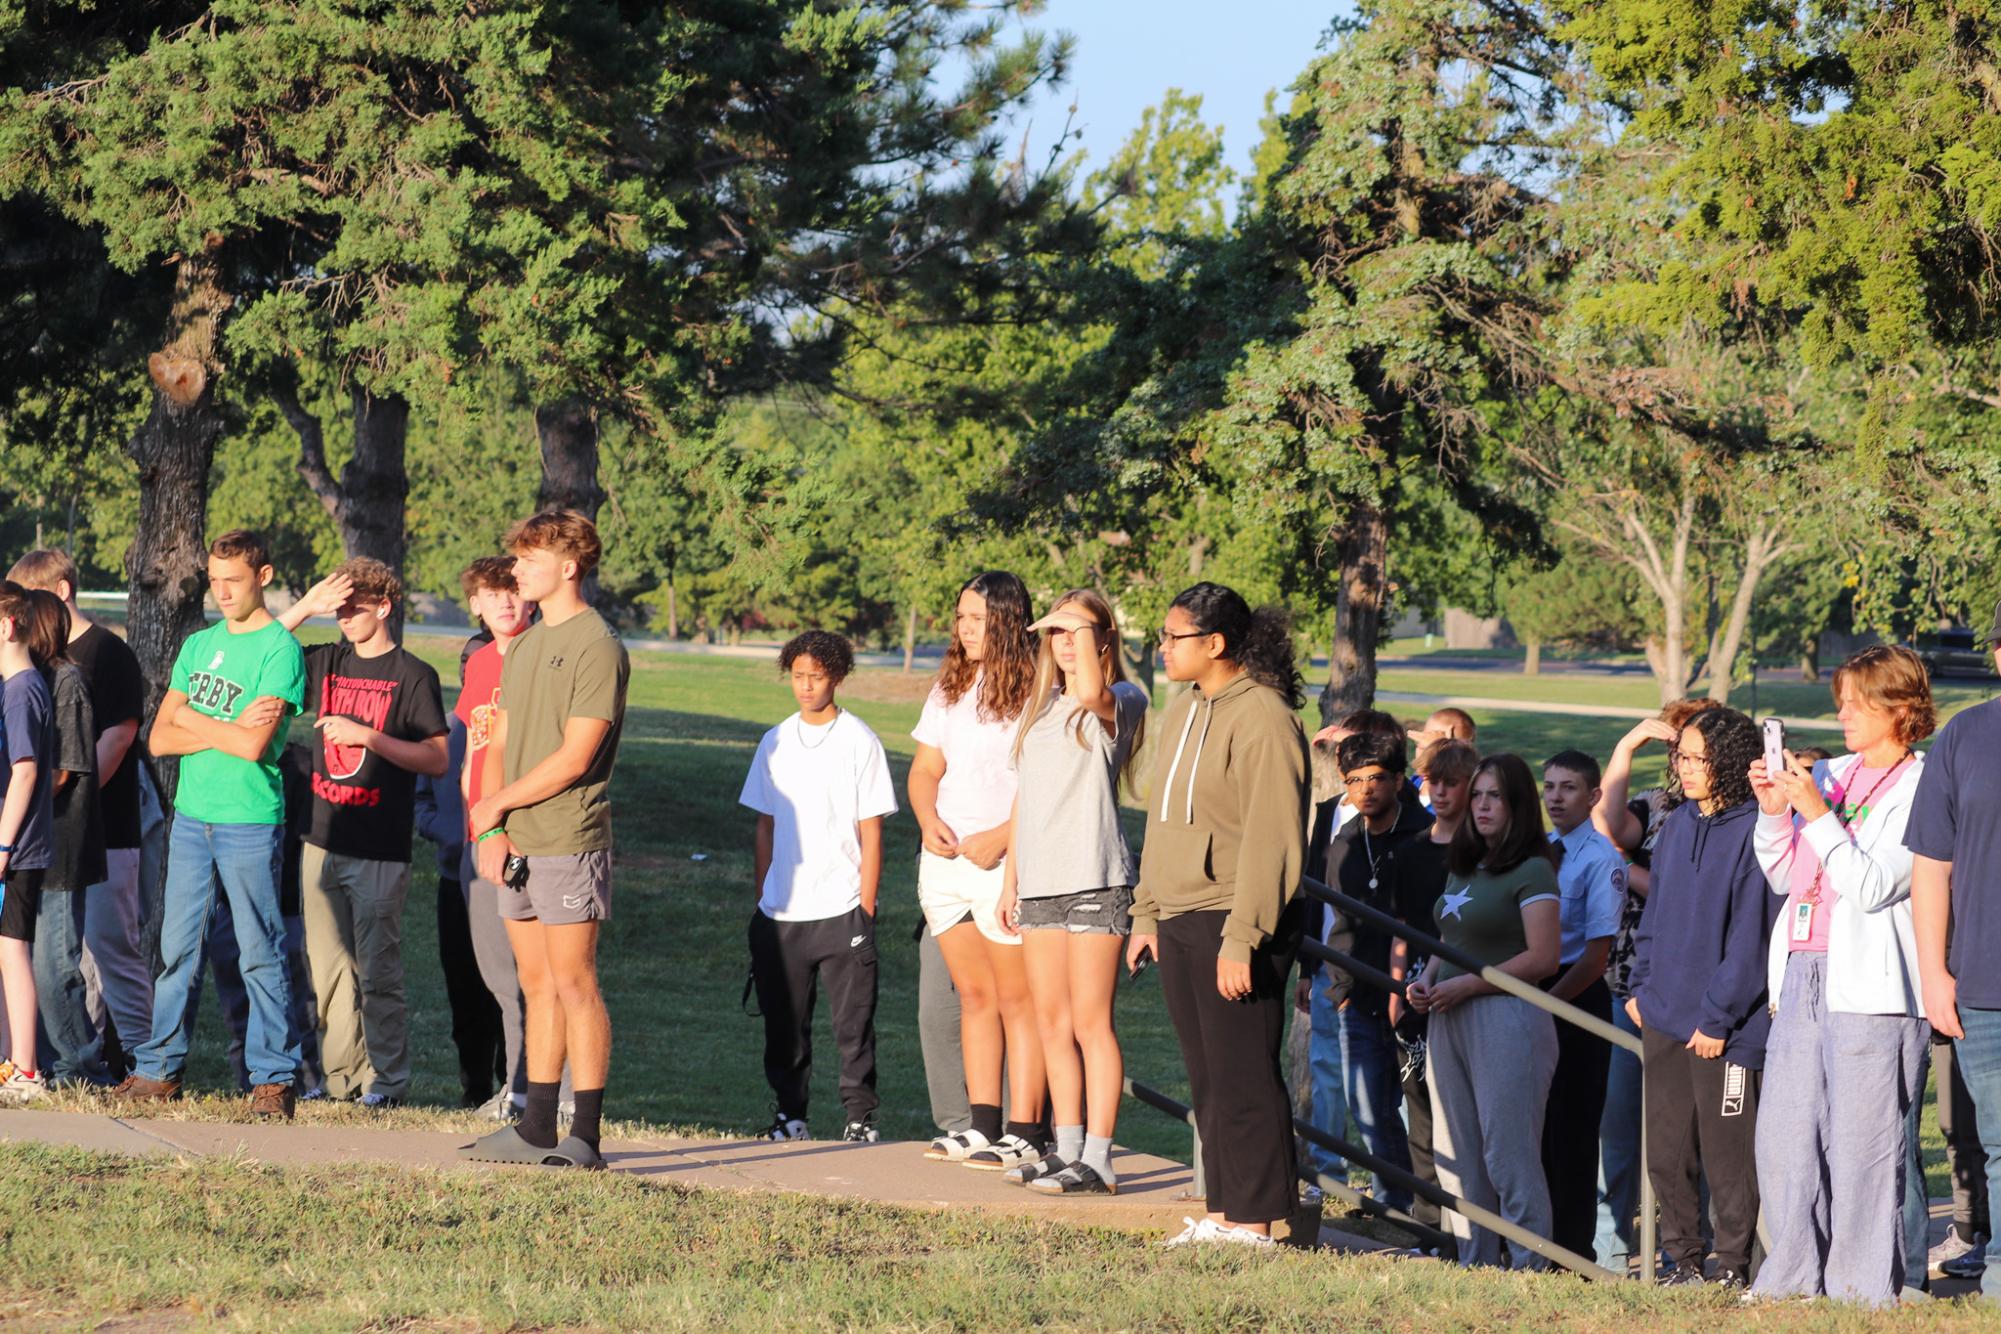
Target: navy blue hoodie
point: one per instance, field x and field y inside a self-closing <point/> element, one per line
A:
<point x="1700" y="952"/>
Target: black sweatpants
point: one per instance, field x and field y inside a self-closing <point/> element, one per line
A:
<point x="475" y="1016"/>
<point x="1231" y="1049"/>
<point x="1965" y="1159"/>
<point x="1702" y="1119"/>
<point x="787" y="961"/>
<point x="1570" y="1126"/>
<point x="1417" y="1119"/>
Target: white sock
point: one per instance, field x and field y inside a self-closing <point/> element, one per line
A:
<point x="1098" y="1157"/>
<point x="1069" y="1142"/>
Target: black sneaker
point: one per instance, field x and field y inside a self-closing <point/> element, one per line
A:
<point x="860" y="1132"/>
<point x="1732" y="1279"/>
<point x="1683" y="1275"/>
<point x="785" y="1127"/>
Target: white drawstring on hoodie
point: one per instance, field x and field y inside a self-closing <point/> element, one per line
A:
<point x="1167" y="789"/>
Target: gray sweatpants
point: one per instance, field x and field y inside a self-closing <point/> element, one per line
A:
<point x="1832" y="1146"/>
<point x="1489" y="1061"/>
<point x="938" y="1035"/>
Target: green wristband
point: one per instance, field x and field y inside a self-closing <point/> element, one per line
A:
<point x="489" y="834"/>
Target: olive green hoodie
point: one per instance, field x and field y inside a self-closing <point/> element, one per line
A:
<point x="1226" y="826"/>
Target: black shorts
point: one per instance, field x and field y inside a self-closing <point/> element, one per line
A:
<point x="20" y="902"/>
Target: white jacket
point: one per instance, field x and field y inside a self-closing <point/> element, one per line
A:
<point x="1872" y="949"/>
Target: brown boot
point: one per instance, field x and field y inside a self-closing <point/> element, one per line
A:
<point x="274" y="1100"/>
<point x="138" y="1088"/>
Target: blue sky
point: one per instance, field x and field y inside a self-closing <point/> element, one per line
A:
<point x="1130" y="52"/>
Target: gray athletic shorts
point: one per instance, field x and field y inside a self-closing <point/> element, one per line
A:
<point x="562" y="891"/>
<point x="1093" y="912"/>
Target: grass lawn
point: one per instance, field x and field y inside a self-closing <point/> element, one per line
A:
<point x="100" y="1238"/>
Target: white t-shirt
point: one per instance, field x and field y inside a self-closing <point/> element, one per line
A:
<point x="817" y="784"/>
<point x="977" y="791"/>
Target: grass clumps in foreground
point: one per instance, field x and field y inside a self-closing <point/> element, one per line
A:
<point x="93" y="1236"/>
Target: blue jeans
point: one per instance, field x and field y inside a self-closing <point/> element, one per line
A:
<point x="1979" y="1059"/>
<point x="243" y="859"/>
<point x="72" y="1046"/>
<point x="1619" y="1152"/>
<point x="1356" y="1075"/>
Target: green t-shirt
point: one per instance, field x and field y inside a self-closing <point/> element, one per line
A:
<point x="554" y="673"/>
<point x="221" y="673"/>
<point x="1482" y="914"/>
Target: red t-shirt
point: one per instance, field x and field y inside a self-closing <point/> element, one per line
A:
<point x="478" y="701"/>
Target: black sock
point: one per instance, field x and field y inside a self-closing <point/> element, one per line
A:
<point x="987" y="1120"/>
<point x="1030" y="1131"/>
<point x="590" y="1108"/>
<point x="538" y="1118"/>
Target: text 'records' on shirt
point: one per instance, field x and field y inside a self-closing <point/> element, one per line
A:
<point x="363" y="804"/>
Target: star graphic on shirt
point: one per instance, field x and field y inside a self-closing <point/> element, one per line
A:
<point x="1450" y="905"/>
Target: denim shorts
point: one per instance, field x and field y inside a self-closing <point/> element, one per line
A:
<point x="1092" y="912"/>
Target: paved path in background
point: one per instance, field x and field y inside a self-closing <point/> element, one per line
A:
<point x="1567" y="710"/>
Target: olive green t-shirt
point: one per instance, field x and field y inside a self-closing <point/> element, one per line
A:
<point x="1482" y="913"/>
<point x="554" y="673"/>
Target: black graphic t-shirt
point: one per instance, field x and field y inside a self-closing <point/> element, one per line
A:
<point x="364" y="806"/>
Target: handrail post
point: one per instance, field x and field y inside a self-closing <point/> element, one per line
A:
<point x="1650" y="1248"/>
<point x="1198" y="1186"/>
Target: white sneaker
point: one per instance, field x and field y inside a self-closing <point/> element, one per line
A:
<point x="1190" y="1234"/>
<point x="19" y="1088"/>
<point x="1237" y="1236"/>
<point x="956" y="1148"/>
<point x="500" y="1107"/>
<point x="1006" y="1152"/>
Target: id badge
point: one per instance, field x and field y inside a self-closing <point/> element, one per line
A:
<point x="1803" y="922"/>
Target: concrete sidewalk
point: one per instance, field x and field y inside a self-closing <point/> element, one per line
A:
<point x="887" y="1173"/>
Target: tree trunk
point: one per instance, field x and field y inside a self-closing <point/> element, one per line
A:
<point x="673" y="612"/>
<point x="1532" y="658"/>
<point x="174" y="446"/>
<point x="910" y="637"/>
<point x="1810" y="661"/>
<point x="368" y="502"/>
<point x="1358" y="615"/>
<point x="568" y="430"/>
<point x="1761" y="551"/>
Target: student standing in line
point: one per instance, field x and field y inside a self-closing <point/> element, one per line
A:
<point x="1422" y="869"/>
<point x="1592" y="878"/>
<point x="1446" y="724"/>
<point x="381" y="721"/>
<point x="1355" y="1058"/>
<point x="441" y="820"/>
<point x="548" y="778"/>
<point x="1490" y="1055"/>
<point x="1633" y="822"/>
<point x="1845" y="1062"/>
<point x="1955" y="836"/>
<point x="821" y="788"/>
<point x="234" y="685"/>
<point x="73" y="1046"/>
<point x="27" y="836"/>
<point x="1217" y="898"/>
<point x="962" y="790"/>
<point x="504" y="615"/>
<point x="1069" y="876"/>
<point x="1699" y="1000"/>
<point x="117" y="967"/>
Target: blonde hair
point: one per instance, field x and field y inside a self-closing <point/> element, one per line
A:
<point x="1047" y="673"/>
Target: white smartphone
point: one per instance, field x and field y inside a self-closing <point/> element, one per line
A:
<point x="1775" y="746"/>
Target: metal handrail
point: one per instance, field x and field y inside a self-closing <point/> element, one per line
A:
<point x="1508" y="984"/>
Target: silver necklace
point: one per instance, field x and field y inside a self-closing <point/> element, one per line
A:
<point x="826" y="730"/>
<point x="1369" y="848"/>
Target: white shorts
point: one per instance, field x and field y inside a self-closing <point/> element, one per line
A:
<point x="951" y="888"/>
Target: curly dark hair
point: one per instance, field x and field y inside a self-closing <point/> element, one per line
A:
<point x="1733" y="742"/>
<point x="1260" y="642"/>
<point x="830" y="650"/>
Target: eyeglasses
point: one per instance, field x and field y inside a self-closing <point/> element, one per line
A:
<point x="1168" y="636"/>
<point x="1680" y="757"/>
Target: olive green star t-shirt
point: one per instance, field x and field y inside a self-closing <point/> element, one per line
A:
<point x="221" y="673"/>
<point x="1482" y="913"/>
